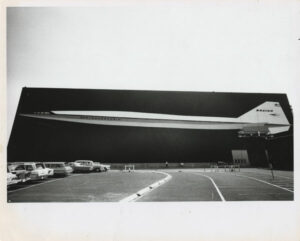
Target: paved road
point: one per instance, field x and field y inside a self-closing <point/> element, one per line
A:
<point x="89" y="187"/>
<point x="242" y="187"/>
<point x="192" y="186"/>
<point x="267" y="172"/>
<point x="185" y="185"/>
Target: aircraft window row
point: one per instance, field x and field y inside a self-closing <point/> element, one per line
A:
<point x="41" y="113"/>
<point x="264" y="110"/>
<point x="99" y="118"/>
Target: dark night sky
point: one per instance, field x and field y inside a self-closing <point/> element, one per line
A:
<point x="34" y="139"/>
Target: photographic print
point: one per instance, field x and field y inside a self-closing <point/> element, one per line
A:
<point x="150" y="120"/>
<point x="117" y="145"/>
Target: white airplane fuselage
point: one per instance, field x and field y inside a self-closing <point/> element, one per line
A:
<point x="267" y="118"/>
<point x="118" y="118"/>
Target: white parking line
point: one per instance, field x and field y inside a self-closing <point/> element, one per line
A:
<point x="275" y="174"/>
<point x="40" y="183"/>
<point x="141" y="193"/>
<point x="283" y="177"/>
<point x="215" y="185"/>
<point x="265" y="182"/>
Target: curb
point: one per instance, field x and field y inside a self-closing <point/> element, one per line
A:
<point x="148" y="189"/>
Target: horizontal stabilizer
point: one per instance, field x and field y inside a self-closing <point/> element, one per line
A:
<point x="276" y="130"/>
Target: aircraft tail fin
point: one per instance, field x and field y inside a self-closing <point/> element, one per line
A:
<point x="268" y="112"/>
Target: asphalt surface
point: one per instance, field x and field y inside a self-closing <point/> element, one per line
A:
<point x="185" y="185"/>
<point x="190" y="185"/>
<point x="88" y="187"/>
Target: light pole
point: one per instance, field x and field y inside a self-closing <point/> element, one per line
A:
<point x="268" y="157"/>
<point x="267" y="136"/>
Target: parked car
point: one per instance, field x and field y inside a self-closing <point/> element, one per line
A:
<point x="60" y="168"/>
<point x="41" y="165"/>
<point x="97" y="167"/>
<point x="106" y="167"/>
<point x="21" y="170"/>
<point x="88" y="166"/>
<point x="101" y="167"/>
<point x="11" y="178"/>
<point x="33" y="170"/>
<point x="70" y="164"/>
<point x="83" y="166"/>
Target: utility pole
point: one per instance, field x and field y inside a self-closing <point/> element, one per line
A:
<point x="268" y="158"/>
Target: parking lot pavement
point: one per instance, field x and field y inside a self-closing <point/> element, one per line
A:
<point x="191" y="185"/>
<point x="25" y="185"/>
<point x="267" y="172"/>
<point x="239" y="187"/>
<point x="184" y="186"/>
<point x="282" y="179"/>
<point x="88" y="187"/>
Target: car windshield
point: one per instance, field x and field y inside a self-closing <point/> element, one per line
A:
<point x="57" y="165"/>
<point x="29" y="167"/>
<point x="19" y="167"/>
<point x="39" y="166"/>
<point x="86" y="163"/>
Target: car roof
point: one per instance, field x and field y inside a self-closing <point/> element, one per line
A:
<point x="54" y="162"/>
<point x="21" y="163"/>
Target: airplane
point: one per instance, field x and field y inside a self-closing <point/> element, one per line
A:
<point x="265" y="120"/>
